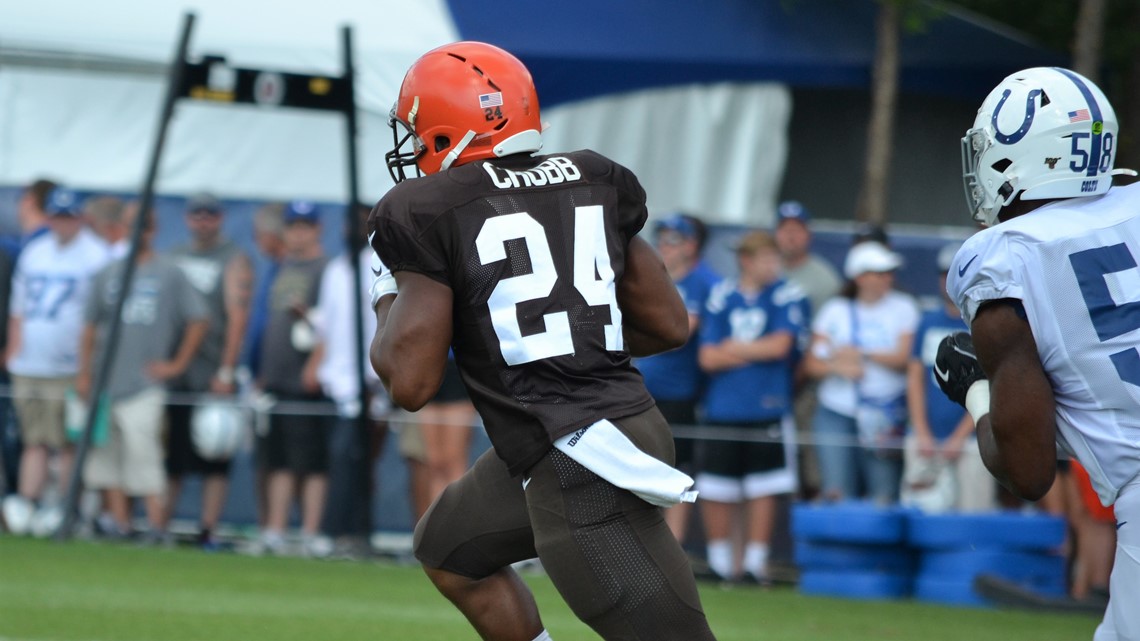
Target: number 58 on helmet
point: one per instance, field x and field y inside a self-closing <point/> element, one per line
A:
<point x="1042" y="133"/>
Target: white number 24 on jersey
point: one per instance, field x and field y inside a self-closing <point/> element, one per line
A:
<point x="593" y="278"/>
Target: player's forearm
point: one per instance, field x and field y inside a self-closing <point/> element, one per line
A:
<point x="641" y="343"/>
<point x="1021" y="461"/>
<point x="991" y="454"/>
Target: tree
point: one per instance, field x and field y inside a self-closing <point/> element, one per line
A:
<point x="1110" y="57"/>
<point x="1089" y="39"/>
<point x="871" y="205"/>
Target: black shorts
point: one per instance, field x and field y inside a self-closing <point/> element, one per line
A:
<point x="681" y="413"/>
<point x="452" y="389"/>
<point x="737" y="459"/>
<point x="295" y="442"/>
<point x="181" y="457"/>
<point x="609" y="553"/>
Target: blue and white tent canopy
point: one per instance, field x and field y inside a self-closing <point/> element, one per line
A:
<point x="694" y="96"/>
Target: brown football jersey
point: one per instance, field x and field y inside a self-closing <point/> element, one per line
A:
<point x="532" y="248"/>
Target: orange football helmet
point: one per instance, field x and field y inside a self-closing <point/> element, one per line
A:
<point x="461" y="102"/>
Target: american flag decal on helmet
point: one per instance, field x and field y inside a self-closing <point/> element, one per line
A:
<point x="1079" y="115"/>
<point x="491" y="100"/>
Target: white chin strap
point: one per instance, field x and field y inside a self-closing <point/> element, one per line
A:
<point x="453" y="155"/>
<point x="529" y="140"/>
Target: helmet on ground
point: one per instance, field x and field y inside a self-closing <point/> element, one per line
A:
<point x="462" y="102"/>
<point x="1042" y="133"/>
<point x="217" y="429"/>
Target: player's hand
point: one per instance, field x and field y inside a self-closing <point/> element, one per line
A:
<point x="956" y="366"/>
<point x="383" y="282"/>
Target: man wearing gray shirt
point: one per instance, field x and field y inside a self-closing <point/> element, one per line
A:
<point x="293" y="454"/>
<point x="819" y="279"/>
<point x="164" y="321"/>
<point x="222" y="273"/>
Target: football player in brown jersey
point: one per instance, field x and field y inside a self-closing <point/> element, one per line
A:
<point x="531" y="269"/>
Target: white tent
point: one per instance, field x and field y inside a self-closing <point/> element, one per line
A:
<point x="81" y="85"/>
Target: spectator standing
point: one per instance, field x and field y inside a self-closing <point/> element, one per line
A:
<point x="9" y="437"/>
<point x="674" y="378"/>
<point x="164" y="322"/>
<point x="222" y="274"/>
<point x="861" y="344"/>
<point x="354" y="445"/>
<point x="293" y="453"/>
<point x="748" y="335"/>
<point x="942" y="466"/>
<point x="820" y="282"/>
<point x="811" y="272"/>
<point x="33" y="223"/>
<point x="51" y="285"/>
<point x="106" y="215"/>
<point x="268" y="235"/>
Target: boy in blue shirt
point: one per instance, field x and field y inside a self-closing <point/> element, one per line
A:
<point x="748" y="335"/>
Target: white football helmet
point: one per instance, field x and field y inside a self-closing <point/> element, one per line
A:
<point x="1042" y="133"/>
<point x="217" y="428"/>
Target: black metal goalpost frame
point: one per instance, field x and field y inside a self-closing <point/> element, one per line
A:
<point x="192" y="80"/>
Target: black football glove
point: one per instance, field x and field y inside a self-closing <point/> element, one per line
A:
<point x="956" y="366"/>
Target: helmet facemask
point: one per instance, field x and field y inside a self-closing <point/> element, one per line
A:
<point x="407" y="147"/>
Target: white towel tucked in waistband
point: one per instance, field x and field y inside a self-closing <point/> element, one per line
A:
<point x="605" y="451"/>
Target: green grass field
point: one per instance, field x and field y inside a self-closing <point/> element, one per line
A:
<point x="98" y="592"/>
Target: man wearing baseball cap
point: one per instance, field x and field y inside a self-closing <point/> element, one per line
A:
<point x="674" y="378"/>
<point x="820" y="282"/>
<point x="222" y="273"/>
<point x="293" y="453"/>
<point x="50" y="287"/>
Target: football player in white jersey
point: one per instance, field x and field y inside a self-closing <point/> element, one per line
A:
<point x="1051" y="291"/>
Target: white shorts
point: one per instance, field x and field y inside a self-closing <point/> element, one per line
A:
<point x="1122" y="617"/>
<point x="131" y="459"/>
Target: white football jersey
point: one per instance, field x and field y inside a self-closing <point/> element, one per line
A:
<point x="50" y="287"/>
<point x="1074" y="265"/>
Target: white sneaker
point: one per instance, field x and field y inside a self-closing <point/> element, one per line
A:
<point x="46" y="521"/>
<point x="270" y="542"/>
<point x="18" y="514"/>
<point x="317" y="546"/>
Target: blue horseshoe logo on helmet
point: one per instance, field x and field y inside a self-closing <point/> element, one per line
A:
<point x="1030" y="111"/>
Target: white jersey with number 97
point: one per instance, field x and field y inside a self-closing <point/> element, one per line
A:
<point x="1075" y="265"/>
